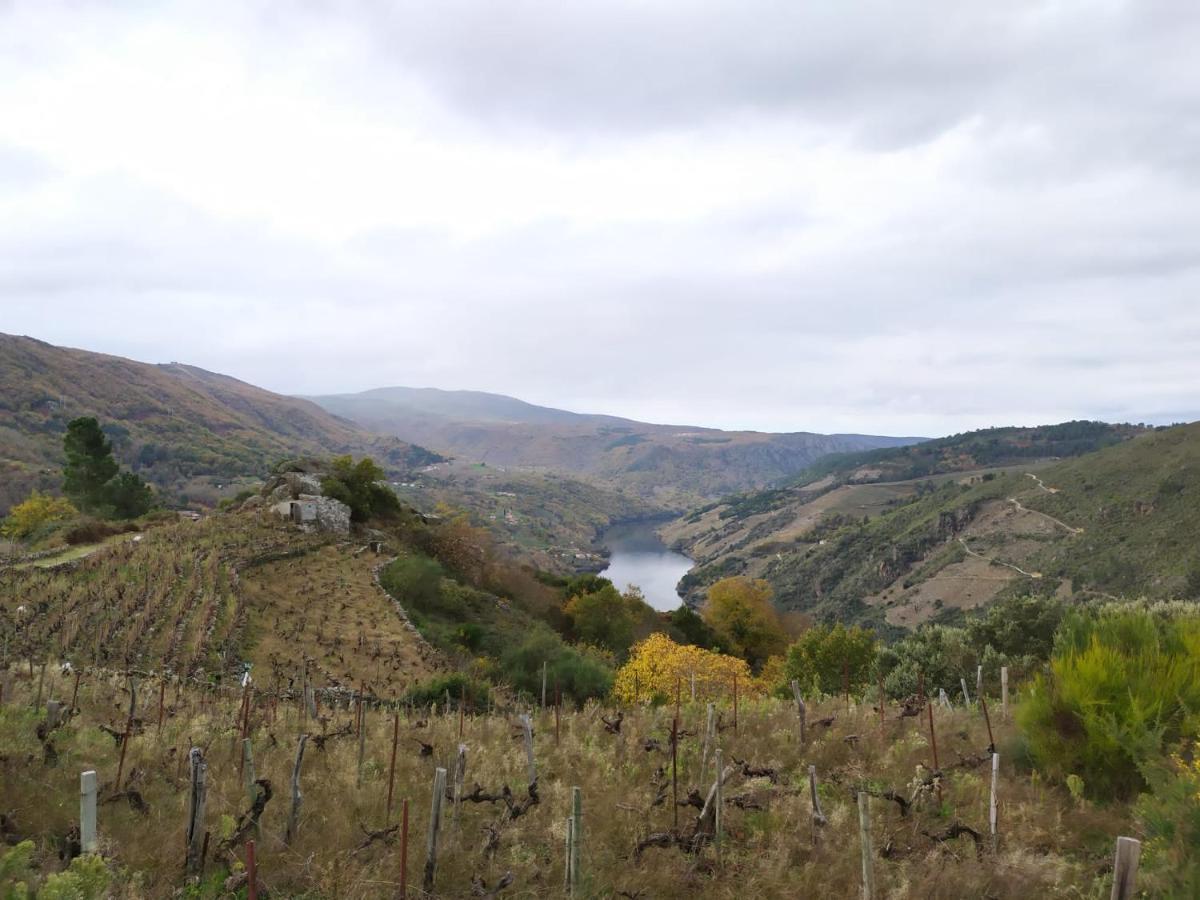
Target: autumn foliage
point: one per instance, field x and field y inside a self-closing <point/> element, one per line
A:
<point x="658" y="664"/>
<point x="35" y="513"/>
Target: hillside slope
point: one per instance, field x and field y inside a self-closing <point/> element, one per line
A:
<point x="669" y="465"/>
<point x="1114" y="521"/>
<point x="182" y="428"/>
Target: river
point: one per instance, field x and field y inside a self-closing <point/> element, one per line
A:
<point x="638" y="556"/>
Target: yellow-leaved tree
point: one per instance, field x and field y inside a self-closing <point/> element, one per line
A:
<point x="37" y="511"/>
<point x="657" y="665"/>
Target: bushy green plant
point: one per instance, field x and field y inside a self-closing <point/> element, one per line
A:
<point x="414" y="580"/>
<point x="360" y="485"/>
<point x="87" y="878"/>
<point x="458" y="685"/>
<point x="825" y="654"/>
<point x="578" y="673"/>
<point x="14" y="871"/>
<point x="1123" y="685"/>
<point x="940" y="654"/>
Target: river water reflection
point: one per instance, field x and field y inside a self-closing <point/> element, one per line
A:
<point x="640" y="557"/>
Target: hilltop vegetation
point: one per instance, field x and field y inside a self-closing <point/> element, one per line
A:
<point x="986" y="448"/>
<point x="182" y="429"/>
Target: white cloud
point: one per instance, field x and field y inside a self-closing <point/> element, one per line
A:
<point x="906" y="218"/>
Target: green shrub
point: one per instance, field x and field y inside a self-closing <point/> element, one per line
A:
<point x="1124" y="684"/>
<point x="415" y="581"/>
<point x="434" y="691"/>
<point x="86" y="879"/>
<point x="361" y="486"/>
<point x="825" y="654"/>
<point x="579" y="673"/>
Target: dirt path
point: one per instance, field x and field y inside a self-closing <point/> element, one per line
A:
<point x="1041" y="483"/>
<point x="998" y="562"/>
<point x="1059" y="522"/>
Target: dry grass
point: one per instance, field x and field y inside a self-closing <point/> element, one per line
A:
<point x="1050" y="846"/>
<point x="326" y="606"/>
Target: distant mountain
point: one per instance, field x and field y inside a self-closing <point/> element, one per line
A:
<point x="462" y="406"/>
<point x="182" y="428"/>
<point x="673" y="466"/>
<point x="1116" y="521"/>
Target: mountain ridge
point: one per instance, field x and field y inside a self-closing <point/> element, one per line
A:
<point x="183" y="428"/>
<point x="1111" y="521"/>
<point x="671" y="465"/>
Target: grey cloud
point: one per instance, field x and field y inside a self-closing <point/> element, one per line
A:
<point x="1047" y="268"/>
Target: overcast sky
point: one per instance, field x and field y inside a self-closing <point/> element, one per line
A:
<point x="906" y="218"/>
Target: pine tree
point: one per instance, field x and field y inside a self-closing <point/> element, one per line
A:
<point x="90" y="464"/>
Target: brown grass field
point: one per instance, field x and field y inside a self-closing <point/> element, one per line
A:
<point x="1049" y="844"/>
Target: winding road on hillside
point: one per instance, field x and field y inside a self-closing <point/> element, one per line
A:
<point x="998" y="562"/>
<point x="1059" y="522"/>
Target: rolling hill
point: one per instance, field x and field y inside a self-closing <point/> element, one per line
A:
<point x="669" y="465"/>
<point x="1114" y="521"/>
<point x="185" y="430"/>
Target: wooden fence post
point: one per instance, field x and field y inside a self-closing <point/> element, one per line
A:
<point x="87" y="811"/>
<point x="818" y="817"/>
<point x="735" y="704"/>
<point x="248" y="769"/>
<point x="567" y="887"/>
<point x="933" y="743"/>
<point x="1004" y="692"/>
<point x="966" y="696"/>
<point x="460" y="774"/>
<point x="993" y="810"/>
<point x="1125" y="867"/>
<point x="708" y="741"/>
<point x="720" y="807"/>
<point x="37" y="703"/>
<point x="675" y="769"/>
<point x="576" y="835"/>
<point x="987" y="719"/>
<point x="846" y="681"/>
<point x="293" y="823"/>
<point x="864" y="834"/>
<point x="531" y="766"/>
<point x="543" y="684"/>
<point x="362" y="741"/>
<point x="404" y="849"/>
<point x="195" y="829"/>
<point x="435" y="821"/>
<point x="392" y="768"/>
<point x="801" y="709"/>
<point x="979" y="681"/>
<point x="251" y="872"/>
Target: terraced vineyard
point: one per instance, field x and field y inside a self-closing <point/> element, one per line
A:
<point x="199" y="598"/>
<point x="647" y="822"/>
